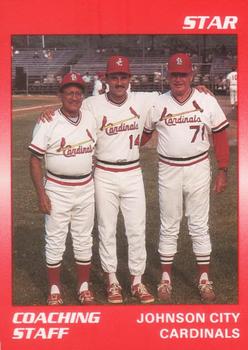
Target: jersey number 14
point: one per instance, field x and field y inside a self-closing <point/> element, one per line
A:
<point x="134" y="141"/>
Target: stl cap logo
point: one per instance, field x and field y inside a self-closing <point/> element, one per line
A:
<point x="119" y="61"/>
<point x="179" y="61"/>
<point x="73" y="77"/>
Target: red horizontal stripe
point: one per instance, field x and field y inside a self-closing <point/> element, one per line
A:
<point x="117" y="170"/>
<point x="148" y="131"/>
<point x="225" y="122"/>
<point x="39" y="149"/>
<point x="69" y="183"/>
<point x="182" y="164"/>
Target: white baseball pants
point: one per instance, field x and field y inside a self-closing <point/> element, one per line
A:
<point x="179" y="187"/>
<point x="72" y="210"/>
<point x="125" y="191"/>
<point x="233" y="95"/>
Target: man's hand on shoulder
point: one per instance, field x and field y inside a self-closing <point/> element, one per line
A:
<point x="46" y="116"/>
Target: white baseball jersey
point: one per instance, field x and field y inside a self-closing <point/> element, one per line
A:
<point x="67" y="147"/>
<point x="97" y="87"/>
<point x="233" y="78"/>
<point x="119" y="127"/>
<point x="183" y="127"/>
<point x="87" y="78"/>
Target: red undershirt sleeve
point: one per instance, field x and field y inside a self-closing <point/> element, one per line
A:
<point x="145" y="138"/>
<point x="221" y="148"/>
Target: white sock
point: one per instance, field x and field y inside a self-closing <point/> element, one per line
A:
<point x="136" y="280"/>
<point x="112" y="278"/>
<point x="84" y="286"/>
<point x="204" y="276"/>
<point x="55" y="289"/>
<point x="165" y="277"/>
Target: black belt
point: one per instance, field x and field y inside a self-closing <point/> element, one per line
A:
<point x="118" y="163"/>
<point x="76" y="177"/>
<point x="184" y="159"/>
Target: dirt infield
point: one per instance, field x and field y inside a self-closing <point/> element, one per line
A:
<point x="29" y="275"/>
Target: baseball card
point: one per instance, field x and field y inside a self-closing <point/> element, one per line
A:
<point x="123" y="191"/>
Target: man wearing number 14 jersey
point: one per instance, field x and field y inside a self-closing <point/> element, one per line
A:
<point x="119" y="184"/>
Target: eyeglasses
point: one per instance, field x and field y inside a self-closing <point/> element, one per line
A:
<point x="72" y="94"/>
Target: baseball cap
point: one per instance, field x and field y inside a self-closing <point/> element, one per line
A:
<point x="179" y="63"/>
<point x="118" y="64"/>
<point x="72" y="79"/>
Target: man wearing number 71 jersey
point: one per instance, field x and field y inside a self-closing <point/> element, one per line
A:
<point x="183" y="118"/>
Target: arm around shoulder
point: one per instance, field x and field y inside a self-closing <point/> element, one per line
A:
<point x="46" y="116"/>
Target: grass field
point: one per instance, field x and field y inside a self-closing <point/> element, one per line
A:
<point x="29" y="275"/>
<point x="21" y="101"/>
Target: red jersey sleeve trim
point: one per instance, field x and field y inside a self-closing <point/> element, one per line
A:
<point x="221" y="148"/>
